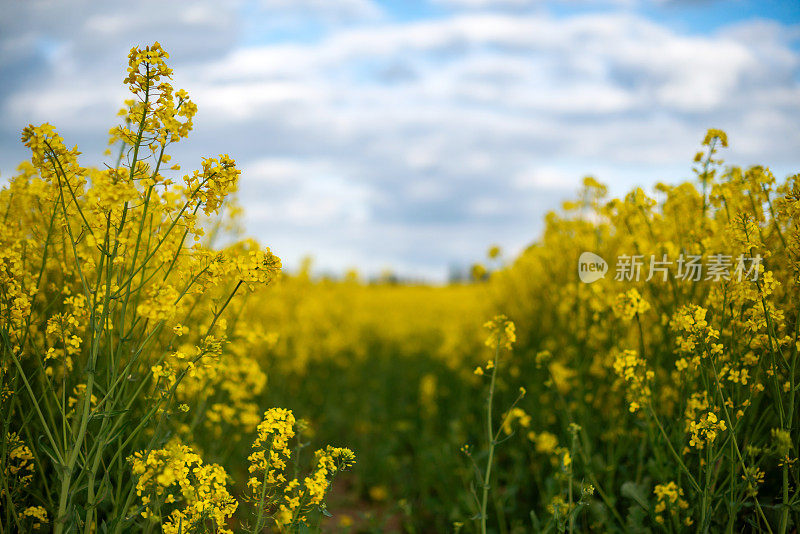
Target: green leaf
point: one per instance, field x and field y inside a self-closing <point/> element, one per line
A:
<point x="637" y="493"/>
<point x="636" y="520"/>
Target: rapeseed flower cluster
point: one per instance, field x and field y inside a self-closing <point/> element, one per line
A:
<point x="282" y="502"/>
<point x="119" y="330"/>
<point x="670" y="498"/>
<point x="175" y="478"/>
<point x="630" y="304"/>
<point x="633" y="370"/>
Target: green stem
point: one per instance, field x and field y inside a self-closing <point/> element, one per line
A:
<point x="492" y="440"/>
<point x="675" y="454"/>
<point x="735" y="444"/>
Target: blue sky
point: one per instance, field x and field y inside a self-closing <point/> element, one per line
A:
<point x="413" y="134"/>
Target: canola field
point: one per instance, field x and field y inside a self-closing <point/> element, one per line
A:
<point x="153" y="380"/>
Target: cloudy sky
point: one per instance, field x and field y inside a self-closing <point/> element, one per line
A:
<point x="412" y="134"/>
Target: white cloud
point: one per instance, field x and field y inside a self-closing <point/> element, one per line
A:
<point x="546" y="177"/>
<point x="303" y="193"/>
<point x="418" y="143"/>
<point x="334" y="10"/>
<point x="545" y="64"/>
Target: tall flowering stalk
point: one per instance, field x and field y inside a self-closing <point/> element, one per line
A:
<point x="502" y="336"/>
<point x="280" y="502"/>
<point x="118" y="326"/>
